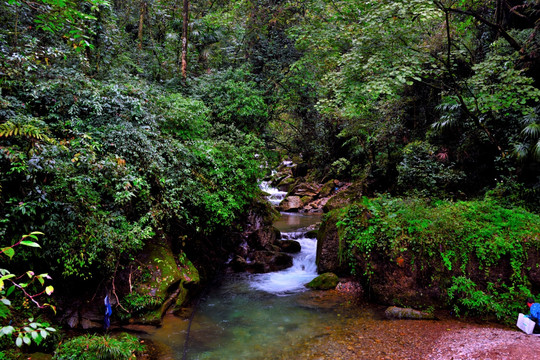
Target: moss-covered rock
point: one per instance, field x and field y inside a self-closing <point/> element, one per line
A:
<point x="158" y="284"/>
<point x="286" y="184"/>
<point x="394" y="312"/>
<point x="328" y="188"/>
<point x="346" y="197"/>
<point x="325" y="281"/>
<point x="330" y="250"/>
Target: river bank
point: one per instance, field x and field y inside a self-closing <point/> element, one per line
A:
<point x="363" y="333"/>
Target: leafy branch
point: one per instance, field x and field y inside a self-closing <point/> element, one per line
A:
<point x="31" y="330"/>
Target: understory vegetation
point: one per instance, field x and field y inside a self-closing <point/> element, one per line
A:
<point x="125" y="124"/>
<point x="483" y="256"/>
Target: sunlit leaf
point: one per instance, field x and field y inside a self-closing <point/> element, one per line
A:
<point x="30" y="243"/>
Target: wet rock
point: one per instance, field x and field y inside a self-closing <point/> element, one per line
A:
<point x="268" y="261"/>
<point x="394" y="312"/>
<point x="238" y="264"/>
<point x="87" y="324"/>
<point x="305" y="189"/>
<point x="290" y="246"/>
<point x="72" y="320"/>
<point x="325" y="281"/>
<point x="312" y="234"/>
<point x="291" y="203"/>
<point x="330" y="251"/>
<point x="263" y="238"/>
<point x="286" y="184"/>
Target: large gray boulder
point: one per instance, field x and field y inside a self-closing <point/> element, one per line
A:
<point x="291" y="204"/>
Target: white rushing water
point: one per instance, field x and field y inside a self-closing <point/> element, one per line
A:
<point x="275" y="196"/>
<point x="304" y="269"/>
<point x="294" y="278"/>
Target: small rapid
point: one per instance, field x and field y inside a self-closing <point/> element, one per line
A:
<point x="275" y="195"/>
<point x="294" y="278"/>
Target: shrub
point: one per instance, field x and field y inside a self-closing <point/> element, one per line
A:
<point x="95" y="347"/>
<point x="426" y="170"/>
<point x="476" y="251"/>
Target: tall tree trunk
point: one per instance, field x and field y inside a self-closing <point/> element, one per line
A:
<point x="185" y="14"/>
<point x="141" y="21"/>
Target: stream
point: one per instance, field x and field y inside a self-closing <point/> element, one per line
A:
<point x="273" y="316"/>
<point x="255" y="316"/>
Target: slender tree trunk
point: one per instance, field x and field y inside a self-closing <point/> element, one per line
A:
<point x="141" y="22"/>
<point x="185" y="14"/>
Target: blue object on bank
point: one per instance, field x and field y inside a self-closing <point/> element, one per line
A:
<point x="108" y="312"/>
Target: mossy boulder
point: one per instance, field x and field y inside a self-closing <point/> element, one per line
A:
<point x="286" y="184"/>
<point x="325" y="281"/>
<point x="328" y="188"/>
<point x="394" y="312"/>
<point x="158" y="284"/>
<point x="330" y="249"/>
<point x="346" y="197"/>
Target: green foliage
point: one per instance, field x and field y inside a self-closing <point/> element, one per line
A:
<point x="184" y="118"/>
<point x="28" y="330"/>
<point x="234" y="99"/>
<point x="427" y="170"/>
<point x="95" y="347"/>
<point x="64" y="17"/>
<point x="136" y="302"/>
<point x="471" y="243"/>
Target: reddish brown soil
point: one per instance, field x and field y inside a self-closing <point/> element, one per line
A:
<point x="361" y="335"/>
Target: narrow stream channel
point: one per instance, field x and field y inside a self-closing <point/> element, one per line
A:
<point x="255" y="316"/>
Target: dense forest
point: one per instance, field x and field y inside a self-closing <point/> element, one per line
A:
<point x="129" y="123"/>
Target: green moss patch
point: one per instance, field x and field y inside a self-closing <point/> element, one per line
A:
<point x="325" y="281"/>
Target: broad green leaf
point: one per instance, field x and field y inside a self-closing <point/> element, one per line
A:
<point x="8" y="251"/>
<point x="19" y="341"/>
<point x="49" y="290"/>
<point x="30" y="243"/>
<point x="6" y="301"/>
<point x="27" y="340"/>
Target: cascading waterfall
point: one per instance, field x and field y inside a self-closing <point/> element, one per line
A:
<point x="275" y="196"/>
<point x="294" y="278"/>
<point x="304" y="268"/>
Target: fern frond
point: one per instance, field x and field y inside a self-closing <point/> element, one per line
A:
<point x="9" y="129"/>
<point x="532" y="130"/>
